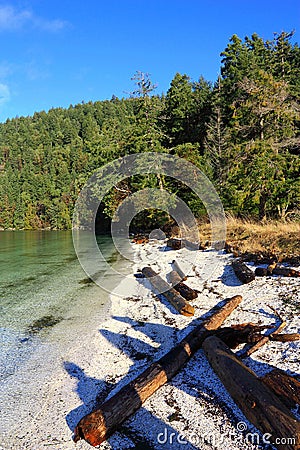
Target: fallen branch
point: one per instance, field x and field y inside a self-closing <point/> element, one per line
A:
<point x="255" y="399"/>
<point x="97" y="426"/>
<point x="265" y="339"/>
<point x="173" y="297"/>
<point x="284" y="337"/>
<point x="247" y="333"/>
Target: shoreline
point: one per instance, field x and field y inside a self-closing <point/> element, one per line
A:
<point x="140" y="328"/>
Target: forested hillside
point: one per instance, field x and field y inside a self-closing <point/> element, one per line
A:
<point x="243" y="131"/>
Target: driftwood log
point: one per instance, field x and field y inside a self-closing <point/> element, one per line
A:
<point x="184" y="290"/>
<point x="175" y="244"/>
<point x="244" y="274"/>
<point x="173" y="297"/>
<point x="256" y="400"/>
<point x="177" y="268"/>
<point x="285" y="272"/>
<point x="286" y="387"/>
<point x="262" y="272"/>
<point x="274" y="270"/>
<point x="246" y="333"/>
<point x="97" y="426"/>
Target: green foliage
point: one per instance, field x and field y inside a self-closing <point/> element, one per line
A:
<point x="243" y="132"/>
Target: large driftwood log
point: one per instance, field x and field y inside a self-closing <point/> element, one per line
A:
<point x="184" y="290"/>
<point x="285" y="386"/>
<point x="256" y="400"/>
<point x="173" y="297"/>
<point x="244" y="274"/>
<point x="97" y="426"/>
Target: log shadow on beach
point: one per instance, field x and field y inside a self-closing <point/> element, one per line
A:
<point x="159" y="434"/>
<point x="229" y="278"/>
<point x="196" y="379"/>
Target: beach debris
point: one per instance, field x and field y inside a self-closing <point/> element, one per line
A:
<point x="230" y="249"/>
<point x="265" y="339"/>
<point x="274" y="269"/>
<point x="289" y="337"/>
<point x="256" y="400"/>
<point x="97" y="426"/>
<point x="285" y="386"/>
<point x="169" y="293"/>
<point x="245" y="333"/>
<point x="286" y="272"/>
<point x="177" y="244"/>
<point x="262" y="272"/>
<point x="177" y="268"/>
<point x="184" y="290"/>
<point x="244" y="274"/>
<point x="140" y="239"/>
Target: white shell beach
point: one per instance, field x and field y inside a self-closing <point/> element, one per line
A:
<point x="61" y="381"/>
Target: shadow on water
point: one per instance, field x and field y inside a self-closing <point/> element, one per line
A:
<point x="203" y="384"/>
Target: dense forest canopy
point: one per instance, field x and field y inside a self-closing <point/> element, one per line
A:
<point x="243" y="132"/>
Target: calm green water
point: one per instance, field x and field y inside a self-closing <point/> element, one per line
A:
<point x="41" y="285"/>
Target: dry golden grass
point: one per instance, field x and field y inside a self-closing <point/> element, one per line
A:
<point x="273" y="237"/>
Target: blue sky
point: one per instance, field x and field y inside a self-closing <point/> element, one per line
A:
<point x="60" y="52"/>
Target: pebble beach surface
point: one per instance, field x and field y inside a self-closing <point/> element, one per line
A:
<point x="61" y="382"/>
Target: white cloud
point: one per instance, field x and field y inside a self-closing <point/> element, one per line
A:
<point x="6" y="69"/>
<point x="4" y="94"/>
<point x="12" y="19"/>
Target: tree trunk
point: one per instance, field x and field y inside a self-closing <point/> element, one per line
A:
<point x="256" y="400"/>
<point x="97" y="426"/>
<point x="263" y="205"/>
<point x="173" y="297"/>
